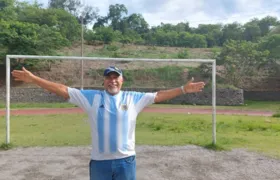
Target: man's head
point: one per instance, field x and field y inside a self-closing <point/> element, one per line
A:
<point x="113" y="80"/>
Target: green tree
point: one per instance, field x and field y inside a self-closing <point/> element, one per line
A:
<point x="59" y="19"/>
<point x="184" y="39"/>
<point x="88" y="14"/>
<point x="240" y="60"/>
<point x="232" y="31"/>
<point x="131" y="36"/>
<point x="76" y="8"/>
<point x="252" y="31"/>
<point x="137" y="23"/>
<point x="182" y="27"/>
<point x="272" y="44"/>
<point x="274" y="30"/>
<point x="7" y="10"/>
<point x="29" y="39"/>
<point x="101" y="21"/>
<point x="115" y="15"/>
<point x="105" y="34"/>
<point x="198" y="41"/>
<point x="212" y="32"/>
<point x="207" y="28"/>
<point x="266" y="23"/>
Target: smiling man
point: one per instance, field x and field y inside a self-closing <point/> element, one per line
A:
<point x="112" y="113"/>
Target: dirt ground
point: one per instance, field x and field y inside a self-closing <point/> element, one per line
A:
<point x="153" y="163"/>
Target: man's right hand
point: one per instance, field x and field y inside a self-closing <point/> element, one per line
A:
<point x="23" y="75"/>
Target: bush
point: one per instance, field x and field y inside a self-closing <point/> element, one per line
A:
<point x="183" y="54"/>
<point x="112" y="47"/>
<point x="276" y="115"/>
<point x="6" y="146"/>
<point x="116" y="55"/>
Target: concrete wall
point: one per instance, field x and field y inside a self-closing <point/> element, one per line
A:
<point x="224" y="96"/>
<point x="262" y="95"/>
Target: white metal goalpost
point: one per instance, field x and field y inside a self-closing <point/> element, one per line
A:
<point x="8" y="78"/>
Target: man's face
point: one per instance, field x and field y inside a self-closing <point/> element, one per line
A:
<point x="113" y="83"/>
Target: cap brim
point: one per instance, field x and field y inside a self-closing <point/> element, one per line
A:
<point x="107" y="73"/>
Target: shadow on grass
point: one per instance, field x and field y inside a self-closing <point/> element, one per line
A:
<point x="276" y="115"/>
<point x="215" y="147"/>
<point x="5" y="146"/>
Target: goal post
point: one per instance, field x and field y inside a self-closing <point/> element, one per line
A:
<point x="8" y="79"/>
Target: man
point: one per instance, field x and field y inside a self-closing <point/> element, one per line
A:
<point x="112" y="115"/>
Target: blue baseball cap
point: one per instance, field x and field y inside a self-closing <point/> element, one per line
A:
<point x="112" y="69"/>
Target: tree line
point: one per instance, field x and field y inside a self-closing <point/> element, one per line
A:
<point x="27" y="28"/>
<point x="38" y="30"/>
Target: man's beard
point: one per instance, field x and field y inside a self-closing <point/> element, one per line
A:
<point x="113" y="90"/>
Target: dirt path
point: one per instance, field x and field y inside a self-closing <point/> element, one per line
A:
<point x="153" y="163"/>
<point x="149" y="109"/>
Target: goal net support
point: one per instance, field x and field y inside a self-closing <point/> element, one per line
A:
<point x="100" y="59"/>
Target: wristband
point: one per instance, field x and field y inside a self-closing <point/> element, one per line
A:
<point x="183" y="90"/>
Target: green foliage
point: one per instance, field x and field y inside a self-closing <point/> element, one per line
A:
<point x="266" y="23"/>
<point x="166" y="76"/>
<point x="166" y="129"/>
<point x="105" y="34"/>
<point x="202" y="71"/>
<point x="252" y="32"/>
<point x="33" y="30"/>
<point x="274" y="30"/>
<point x="198" y="41"/>
<point x="276" y="115"/>
<point x="215" y="52"/>
<point x="232" y="32"/>
<point x="61" y="20"/>
<point x="27" y="38"/>
<point x="134" y="22"/>
<point x="116" y="55"/>
<point x="183" y="54"/>
<point x="272" y="44"/>
<point x="111" y="47"/>
<point x="115" y="15"/>
<point x="241" y="59"/>
<point x="5" y="146"/>
<point x="76" y="8"/>
<point x="181" y="39"/>
<point x="215" y="147"/>
<point x="131" y="36"/>
<point x="7" y="10"/>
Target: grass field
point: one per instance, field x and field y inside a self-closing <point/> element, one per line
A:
<point x="259" y="134"/>
<point x="248" y="105"/>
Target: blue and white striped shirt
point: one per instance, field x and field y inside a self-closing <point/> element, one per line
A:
<point x="112" y="118"/>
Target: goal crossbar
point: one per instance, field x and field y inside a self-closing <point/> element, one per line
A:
<point x="8" y="78"/>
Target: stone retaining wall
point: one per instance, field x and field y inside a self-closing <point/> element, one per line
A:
<point x="224" y="96"/>
<point x="262" y="95"/>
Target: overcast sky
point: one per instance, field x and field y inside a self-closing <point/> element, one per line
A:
<point x="193" y="11"/>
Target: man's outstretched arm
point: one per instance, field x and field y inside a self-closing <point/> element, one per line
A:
<point x="190" y="87"/>
<point x="26" y="76"/>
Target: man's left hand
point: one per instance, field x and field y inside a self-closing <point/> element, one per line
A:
<point x="192" y="87"/>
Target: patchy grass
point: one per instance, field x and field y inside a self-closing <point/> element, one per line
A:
<point x="258" y="134"/>
<point x="37" y="105"/>
<point x="5" y="146"/>
<point x="273" y="106"/>
<point x="137" y="51"/>
<point x="276" y="115"/>
<point x="248" y="105"/>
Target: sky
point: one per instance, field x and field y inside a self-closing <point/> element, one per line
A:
<point x="193" y="11"/>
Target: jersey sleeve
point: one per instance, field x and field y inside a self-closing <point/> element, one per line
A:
<point x="82" y="98"/>
<point x="141" y="100"/>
